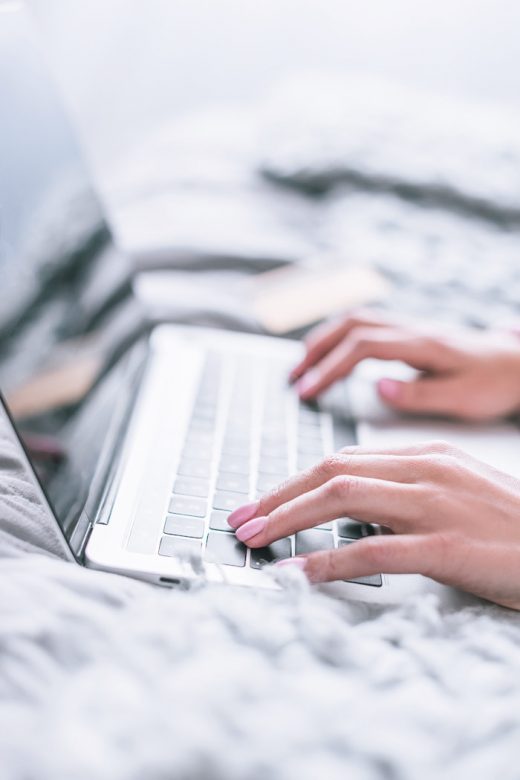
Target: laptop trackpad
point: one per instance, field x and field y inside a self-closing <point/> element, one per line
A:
<point x="497" y="444"/>
<point x="378" y="426"/>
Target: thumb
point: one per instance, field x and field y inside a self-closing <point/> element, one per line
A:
<point x="436" y="395"/>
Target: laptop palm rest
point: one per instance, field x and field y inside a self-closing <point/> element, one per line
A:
<point x="496" y="443"/>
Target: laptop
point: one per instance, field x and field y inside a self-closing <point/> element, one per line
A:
<point x="190" y="423"/>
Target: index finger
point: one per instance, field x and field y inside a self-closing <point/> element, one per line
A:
<point x="414" y="349"/>
<point x="403" y="467"/>
<point x="329" y="334"/>
<point x="391" y="504"/>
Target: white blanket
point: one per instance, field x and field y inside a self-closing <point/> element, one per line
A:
<point x="106" y="677"/>
<point x="103" y="677"/>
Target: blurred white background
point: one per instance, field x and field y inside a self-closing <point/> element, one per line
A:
<point x="127" y="64"/>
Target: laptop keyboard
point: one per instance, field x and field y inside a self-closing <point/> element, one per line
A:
<point x="248" y="432"/>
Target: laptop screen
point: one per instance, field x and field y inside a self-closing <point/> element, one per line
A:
<point x="52" y="234"/>
<point x="49" y="214"/>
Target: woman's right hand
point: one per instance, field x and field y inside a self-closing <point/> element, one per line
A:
<point x="471" y="375"/>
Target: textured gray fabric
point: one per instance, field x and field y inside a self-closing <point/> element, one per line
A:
<point x="320" y="131"/>
<point x="103" y="677"/>
<point x="24" y="519"/>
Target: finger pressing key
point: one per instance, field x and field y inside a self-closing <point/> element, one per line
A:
<point x="328" y="335"/>
<point x="371" y="500"/>
<point x="378" y="466"/>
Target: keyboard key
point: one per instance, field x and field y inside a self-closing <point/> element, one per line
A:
<point x="273" y="466"/>
<point x="233" y="465"/>
<point x="306" y="431"/>
<point x="207" y="413"/>
<point x="309" y="416"/>
<point x="267" y="482"/>
<point x="351" y="529"/>
<point x="239" y="417"/>
<point x="175" y="546"/>
<point x="190" y="486"/>
<point x="241" y="437"/>
<point x="207" y="396"/>
<point x="196" y="451"/>
<point x="273" y="450"/>
<point x="312" y="540"/>
<point x="228" y="501"/>
<point x="375" y="580"/>
<point x="310" y="447"/>
<point x="182" y="525"/>
<point x="274" y="431"/>
<point x="218" y="521"/>
<point x="191" y="467"/>
<point x="203" y="440"/>
<point x="201" y="426"/>
<point x="184" y="505"/>
<point x="307" y="461"/>
<point x="274" y="420"/>
<point x="236" y="447"/>
<point x="275" y="552"/>
<point x="225" y="549"/>
<point x="234" y="483"/>
<point x="325" y="526"/>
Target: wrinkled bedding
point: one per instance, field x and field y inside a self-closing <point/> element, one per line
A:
<point x="105" y="677"/>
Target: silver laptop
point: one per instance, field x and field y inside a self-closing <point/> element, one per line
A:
<point x="189" y="423"/>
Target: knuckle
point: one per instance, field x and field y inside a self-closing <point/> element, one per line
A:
<point x="365" y="317"/>
<point x="438" y="465"/>
<point x="437" y="549"/>
<point x="358" y="318"/>
<point x="418" y="466"/>
<point x="314" y="338"/>
<point x="323" y="566"/>
<point x="439" y="447"/>
<point x="350" y="449"/>
<point x="330" y="467"/>
<point x="339" y="487"/>
<point x="361" y="342"/>
<point x="431" y="343"/>
<point x="329" y="564"/>
<point x="449" y="469"/>
<point x="372" y="554"/>
<point x="311" y="341"/>
<point x="426" y="503"/>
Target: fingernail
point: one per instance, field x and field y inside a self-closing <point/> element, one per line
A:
<point x="389" y="388"/>
<point x="251" y="528"/>
<point x="307" y="383"/>
<point x="242" y="514"/>
<point x="298" y="562"/>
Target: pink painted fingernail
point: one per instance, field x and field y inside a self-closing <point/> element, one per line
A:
<point x="307" y="383"/>
<point x="389" y="388"/>
<point x="251" y="528"/>
<point x="298" y="562"/>
<point x="242" y="514"/>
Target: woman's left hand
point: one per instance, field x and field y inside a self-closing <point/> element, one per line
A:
<point x="453" y="518"/>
